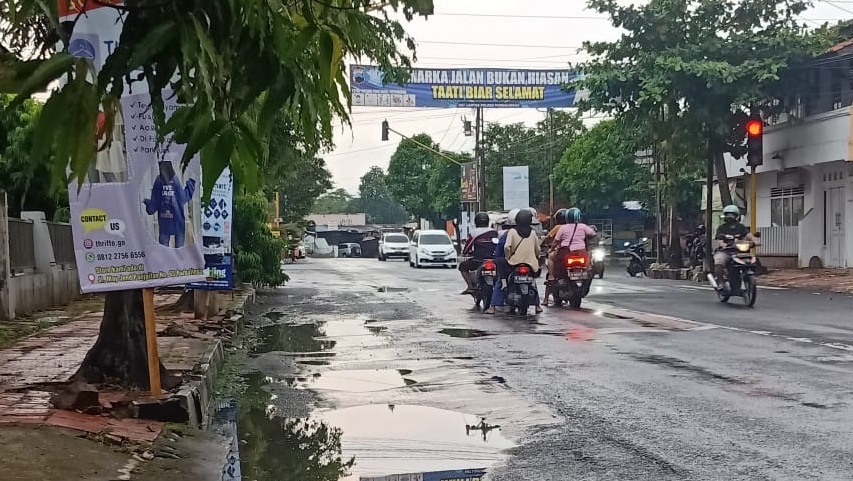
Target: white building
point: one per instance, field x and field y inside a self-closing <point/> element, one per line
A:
<point x="805" y="187"/>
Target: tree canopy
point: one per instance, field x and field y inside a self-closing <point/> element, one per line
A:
<point x="600" y="171"/>
<point x="539" y="148"/>
<point x="427" y="185"/>
<point x="376" y="201"/>
<point x="234" y="66"/>
<point x="337" y="201"/>
<point x="697" y="63"/>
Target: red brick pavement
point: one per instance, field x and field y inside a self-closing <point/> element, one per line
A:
<point x="53" y="356"/>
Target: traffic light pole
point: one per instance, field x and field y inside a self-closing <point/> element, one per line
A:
<point x="406" y="137"/>
<point x="753" y="199"/>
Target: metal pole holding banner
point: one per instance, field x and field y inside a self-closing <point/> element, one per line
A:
<point x="478" y="154"/>
<point x="151" y="341"/>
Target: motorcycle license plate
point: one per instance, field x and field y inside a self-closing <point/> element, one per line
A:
<point x="577" y="275"/>
<point x="523" y="279"/>
<point x="489" y="273"/>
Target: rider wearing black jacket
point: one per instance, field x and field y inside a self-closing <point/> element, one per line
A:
<point x="479" y="247"/>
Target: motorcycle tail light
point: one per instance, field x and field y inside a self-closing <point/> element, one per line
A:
<point x="523" y="271"/>
<point x="489" y="265"/>
<point x="575" y="261"/>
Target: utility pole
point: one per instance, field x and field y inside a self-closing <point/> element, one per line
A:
<point x="659" y="224"/>
<point x="478" y="156"/>
<point x="709" y="205"/>
<point x="550" y="161"/>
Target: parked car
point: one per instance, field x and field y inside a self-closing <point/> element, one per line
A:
<point x="432" y="247"/>
<point x="393" y="244"/>
<point x="350" y="249"/>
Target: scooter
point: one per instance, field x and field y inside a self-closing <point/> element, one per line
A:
<point x="696" y="247"/>
<point x="573" y="282"/>
<point x="740" y="271"/>
<point x="520" y="291"/>
<point x="486" y="277"/>
<point x="599" y="258"/>
<point x="637" y="253"/>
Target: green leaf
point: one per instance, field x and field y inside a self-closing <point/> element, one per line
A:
<point x="152" y="43"/>
<point x="47" y="71"/>
<point x="215" y="157"/>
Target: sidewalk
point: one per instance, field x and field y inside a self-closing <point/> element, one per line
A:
<point x="831" y="280"/>
<point x="33" y="366"/>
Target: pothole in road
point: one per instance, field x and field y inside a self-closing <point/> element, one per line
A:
<point x="321" y="337"/>
<point x="355" y="381"/>
<point x="679" y="364"/>
<point x="464" y="333"/>
<point x="387" y="439"/>
<point x="392" y="289"/>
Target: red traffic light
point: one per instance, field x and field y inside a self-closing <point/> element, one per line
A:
<point x="754" y="128"/>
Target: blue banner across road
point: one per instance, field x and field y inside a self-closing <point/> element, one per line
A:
<point x="468" y="87"/>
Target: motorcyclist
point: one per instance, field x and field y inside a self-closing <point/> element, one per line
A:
<point x="479" y="247"/>
<point x="731" y="226"/>
<point x="572" y="237"/>
<point x="506" y="225"/>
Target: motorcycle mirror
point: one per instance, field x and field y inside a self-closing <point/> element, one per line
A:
<point x="757" y="234"/>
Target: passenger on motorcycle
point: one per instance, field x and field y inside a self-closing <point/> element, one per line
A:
<point x="497" y="293"/>
<point x="731" y="226"/>
<point x="522" y="245"/>
<point x="479" y="247"/>
<point x="571" y="238"/>
<point x="560" y="218"/>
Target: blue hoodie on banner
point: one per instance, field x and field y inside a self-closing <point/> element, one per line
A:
<point x="168" y="199"/>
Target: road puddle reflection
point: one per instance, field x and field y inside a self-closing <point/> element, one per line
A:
<point x="464" y="333"/>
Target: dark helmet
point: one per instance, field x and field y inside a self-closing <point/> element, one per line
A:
<point x="481" y="219"/>
<point x="524" y="218"/>
<point x="573" y="215"/>
<point x="561" y="216"/>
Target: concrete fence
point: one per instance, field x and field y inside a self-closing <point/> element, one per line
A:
<point x="37" y="266"/>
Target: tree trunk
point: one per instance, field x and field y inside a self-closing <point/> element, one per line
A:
<point x="722" y="176"/>
<point x="120" y="355"/>
<point x="676" y="257"/>
<point x="184" y="303"/>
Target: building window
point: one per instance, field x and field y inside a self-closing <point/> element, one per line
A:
<point x="786" y="206"/>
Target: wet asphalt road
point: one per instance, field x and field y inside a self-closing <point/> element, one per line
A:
<point x="653" y="380"/>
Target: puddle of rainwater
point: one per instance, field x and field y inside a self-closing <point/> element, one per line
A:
<point x="388" y="439"/>
<point x="301" y="338"/>
<point x="464" y="333"/>
<point x="356" y="380"/>
<point x="353" y="442"/>
<point x="376" y="330"/>
<point x="274" y="316"/>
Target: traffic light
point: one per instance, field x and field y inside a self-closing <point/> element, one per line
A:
<point x="385" y="130"/>
<point x="754" y="142"/>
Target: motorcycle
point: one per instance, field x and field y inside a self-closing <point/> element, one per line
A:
<point x="520" y="291"/>
<point x="599" y="257"/>
<point x="574" y="281"/>
<point x="696" y="247"/>
<point x="740" y="271"/>
<point x="486" y="277"/>
<point x="637" y="253"/>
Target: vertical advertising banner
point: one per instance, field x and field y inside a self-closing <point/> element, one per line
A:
<point x="216" y="236"/>
<point x="470" y="182"/>
<point x="137" y="218"/>
<point x="516" y="187"/>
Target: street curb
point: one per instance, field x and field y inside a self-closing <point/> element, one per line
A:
<point x="196" y="394"/>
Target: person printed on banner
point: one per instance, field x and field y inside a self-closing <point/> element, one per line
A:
<point x="168" y="201"/>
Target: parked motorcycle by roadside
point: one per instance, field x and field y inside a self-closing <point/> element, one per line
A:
<point x="637" y="253"/>
<point x="739" y="278"/>
<point x="696" y="247"/>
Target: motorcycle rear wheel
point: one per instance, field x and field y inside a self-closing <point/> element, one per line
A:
<point x="575" y="301"/>
<point x="750" y="291"/>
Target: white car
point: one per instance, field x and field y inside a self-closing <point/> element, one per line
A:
<point x="431" y="247"/>
<point x="393" y="244"/>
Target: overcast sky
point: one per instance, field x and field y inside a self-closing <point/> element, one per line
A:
<point x="485" y="33"/>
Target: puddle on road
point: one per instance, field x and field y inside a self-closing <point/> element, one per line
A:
<point x="359" y="441"/>
<point x="392" y="289"/>
<point x="322" y="337"/>
<point x="464" y="333"/>
<point x="388" y="439"/>
<point x="356" y="380"/>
